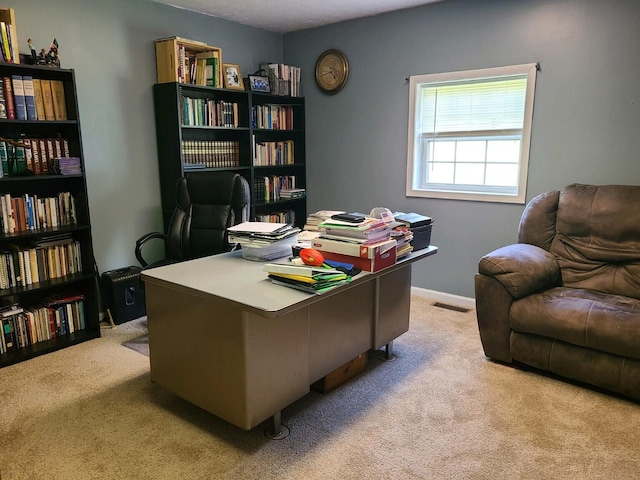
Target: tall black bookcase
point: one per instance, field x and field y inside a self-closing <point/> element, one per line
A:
<point x="259" y="135"/>
<point x="80" y="284"/>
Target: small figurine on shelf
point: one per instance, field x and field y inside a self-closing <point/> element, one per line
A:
<point x="42" y="57"/>
<point x="53" y="58"/>
<point x="34" y="56"/>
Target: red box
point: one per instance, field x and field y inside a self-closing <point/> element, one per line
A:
<point x="382" y="256"/>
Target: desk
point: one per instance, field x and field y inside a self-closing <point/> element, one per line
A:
<point x="226" y="339"/>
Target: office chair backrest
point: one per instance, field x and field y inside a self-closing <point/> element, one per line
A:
<point x="207" y="204"/>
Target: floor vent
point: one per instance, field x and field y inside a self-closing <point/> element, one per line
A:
<point x="451" y="307"/>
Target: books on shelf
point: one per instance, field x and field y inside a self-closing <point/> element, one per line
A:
<point x="286" y="216"/>
<point x="274" y="153"/>
<point x="18" y="97"/>
<point x="8" y="42"/>
<point x="55" y="316"/>
<point x="33" y="156"/>
<point x="269" y="188"/>
<point x="65" y="166"/>
<point x="283" y="79"/>
<point x="209" y="112"/>
<point x="24" y="265"/>
<point x="210" y="154"/>
<point x="272" y="117"/>
<point x="30" y="98"/>
<point x="59" y="102"/>
<point x="293" y="193"/>
<point x="30" y="212"/>
<point x="182" y="60"/>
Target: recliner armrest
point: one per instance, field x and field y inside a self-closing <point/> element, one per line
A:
<point x="521" y="268"/>
<point x="144" y="239"/>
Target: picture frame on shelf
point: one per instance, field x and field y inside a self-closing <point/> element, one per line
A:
<point x="232" y="76"/>
<point x="259" y="83"/>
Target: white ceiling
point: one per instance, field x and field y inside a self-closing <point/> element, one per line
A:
<point x="284" y="16"/>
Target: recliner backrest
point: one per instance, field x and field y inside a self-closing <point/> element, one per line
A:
<point x="207" y="204"/>
<point x="594" y="233"/>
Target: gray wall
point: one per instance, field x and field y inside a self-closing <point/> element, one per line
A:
<point x="110" y="44"/>
<point x="585" y="121"/>
<point x="586" y="114"/>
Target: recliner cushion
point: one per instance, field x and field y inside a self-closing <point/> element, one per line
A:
<point x="597" y="241"/>
<point x="605" y="322"/>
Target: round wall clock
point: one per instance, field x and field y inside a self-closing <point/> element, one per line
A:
<point x="332" y="70"/>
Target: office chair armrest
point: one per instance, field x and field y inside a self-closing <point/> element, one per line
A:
<point x="144" y="239"/>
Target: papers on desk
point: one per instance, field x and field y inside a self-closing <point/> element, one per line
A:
<point x="266" y="228"/>
<point x="306" y="278"/>
<point x="263" y="240"/>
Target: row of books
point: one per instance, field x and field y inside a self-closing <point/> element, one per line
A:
<point x="274" y="153"/>
<point x="210" y="154"/>
<point x="283" y="79"/>
<point x="8" y="44"/>
<point x="268" y="188"/>
<point x="272" y="117"/>
<point x="287" y="216"/>
<point x="30" y="212"/>
<point x="209" y="113"/>
<point x="23" y="97"/>
<point x="56" y="316"/>
<point x="31" y="155"/>
<point x="202" y="68"/>
<point x="21" y="266"/>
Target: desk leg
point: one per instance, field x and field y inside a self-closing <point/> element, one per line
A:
<point x="277" y="430"/>
<point x="388" y="351"/>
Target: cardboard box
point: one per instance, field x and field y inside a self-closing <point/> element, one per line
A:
<point x="341" y="374"/>
<point x="351" y="248"/>
<point x="377" y="256"/>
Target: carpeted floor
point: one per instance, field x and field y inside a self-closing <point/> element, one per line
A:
<point x="440" y="410"/>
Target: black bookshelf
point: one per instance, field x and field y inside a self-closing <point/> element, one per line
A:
<point x="189" y="143"/>
<point x="42" y="185"/>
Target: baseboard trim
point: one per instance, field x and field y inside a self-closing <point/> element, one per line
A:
<point x="444" y="297"/>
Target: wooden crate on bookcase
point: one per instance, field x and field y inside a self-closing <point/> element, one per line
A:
<point x="8" y="16"/>
<point x="168" y="59"/>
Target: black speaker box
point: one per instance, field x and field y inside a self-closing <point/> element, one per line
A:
<point x="123" y="295"/>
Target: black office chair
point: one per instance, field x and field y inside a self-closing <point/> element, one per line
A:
<point x="207" y="204"/>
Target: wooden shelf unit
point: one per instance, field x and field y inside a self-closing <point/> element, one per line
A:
<point x="168" y="57"/>
<point x="83" y="282"/>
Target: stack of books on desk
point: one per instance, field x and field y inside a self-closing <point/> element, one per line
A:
<point x="316" y="218"/>
<point x="263" y="240"/>
<point x="370" y="230"/>
<point x="365" y="244"/>
<point x="309" y="279"/>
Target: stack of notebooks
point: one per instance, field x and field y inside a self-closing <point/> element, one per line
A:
<point x="369" y="230"/>
<point x="263" y="240"/>
<point x="309" y="279"/>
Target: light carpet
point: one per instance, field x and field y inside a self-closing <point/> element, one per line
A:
<point x="440" y="410"/>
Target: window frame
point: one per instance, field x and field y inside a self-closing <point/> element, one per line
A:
<point x="415" y="139"/>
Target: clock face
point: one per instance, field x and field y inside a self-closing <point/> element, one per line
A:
<point x="332" y="71"/>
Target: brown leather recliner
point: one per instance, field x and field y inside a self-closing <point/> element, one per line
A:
<point x="566" y="297"/>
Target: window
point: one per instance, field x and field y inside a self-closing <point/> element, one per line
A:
<point x="469" y="134"/>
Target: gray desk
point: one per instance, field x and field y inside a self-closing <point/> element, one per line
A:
<point x="223" y="337"/>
